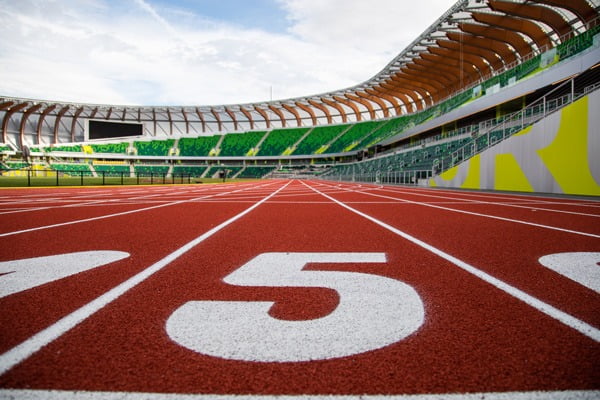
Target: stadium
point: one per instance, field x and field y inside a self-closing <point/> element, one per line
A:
<point x="429" y="233"/>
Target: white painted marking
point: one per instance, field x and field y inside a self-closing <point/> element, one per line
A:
<point x="561" y="316"/>
<point x="24" y="350"/>
<point x="25" y="394"/>
<point x="114" y="214"/>
<point x="517" y="221"/>
<point x="581" y="267"/>
<point x="29" y="273"/>
<point x="373" y="312"/>
<point x="464" y="201"/>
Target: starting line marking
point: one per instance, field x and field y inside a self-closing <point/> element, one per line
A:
<point x="84" y="395"/>
<point x="553" y="312"/>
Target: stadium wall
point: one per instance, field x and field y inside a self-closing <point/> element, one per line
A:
<point x="559" y="154"/>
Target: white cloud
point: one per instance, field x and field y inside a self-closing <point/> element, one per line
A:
<point x="137" y="53"/>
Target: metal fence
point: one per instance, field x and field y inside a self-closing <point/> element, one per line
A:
<point x="32" y="177"/>
<point x="389" y="177"/>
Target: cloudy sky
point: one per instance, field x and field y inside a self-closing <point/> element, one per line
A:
<point x="200" y="52"/>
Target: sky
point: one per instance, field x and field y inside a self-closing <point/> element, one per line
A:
<point x="200" y="52"/>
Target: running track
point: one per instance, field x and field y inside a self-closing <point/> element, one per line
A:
<point x="297" y="288"/>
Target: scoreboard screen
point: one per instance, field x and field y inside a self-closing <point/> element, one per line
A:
<point x="96" y="129"/>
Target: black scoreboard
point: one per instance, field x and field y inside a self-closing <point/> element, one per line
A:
<point x="96" y="129"/>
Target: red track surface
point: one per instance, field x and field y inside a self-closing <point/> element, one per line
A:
<point x="452" y="248"/>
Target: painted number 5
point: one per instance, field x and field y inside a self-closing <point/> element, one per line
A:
<point x="373" y="312"/>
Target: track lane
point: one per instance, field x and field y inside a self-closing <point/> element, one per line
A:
<point x="545" y="213"/>
<point x="16" y="224"/>
<point x="32" y="345"/>
<point x="474" y="339"/>
<point x="583" y="207"/>
<point x="507" y="250"/>
<point x="147" y="236"/>
<point x="498" y="213"/>
<point x="508" y="197"/>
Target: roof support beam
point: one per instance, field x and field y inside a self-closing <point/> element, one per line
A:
<point x="581" y="8"/>
<point x="350" y="104"/>
<point x="279" y="114"/>
<point x="535" y="12"/>
<point x="362" y="101"/>
<point x="24" y="119"/>
<point x="524" y="26"/>
<point x="43" y="115"/>
<point x="59" y="116"/>
<point x="408" y="99"/>
<point x="232" y="115"/>
<point x="170" y="122"/>
<point x="377" y="100"/>
<point x="515" y="40"/>
<point x="321" y="107"/>
<point x="477" y="62"/>
<point x="199" y="114"/>
<point x="265" y="116"/>
<point x="420" y="93"/>
<point x="293" y="111"/>
<point x="492" y="59"/>
<point x="74" y="122"/>
<point x="185" y="119"/>
<point x="378" y="91"/>
<point x="11" y="111"/>
<point x="444" y="78"/>
<point x="429" y="89"/>
<point x="335" y="105"/>
<point x="218" y="118"/>
<point x="249" y="116"/>
<point x="309" y="110"/>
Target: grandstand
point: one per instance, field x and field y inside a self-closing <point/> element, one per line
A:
<point x="480" y="100"/>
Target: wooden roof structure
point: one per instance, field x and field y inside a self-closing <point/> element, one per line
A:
<point x="471" y="42"/>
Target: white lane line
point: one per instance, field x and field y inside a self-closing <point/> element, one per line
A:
<point x="465" y="201"/>
<point x="553" y="312"/>
<point x="544" y="198"/>
<point x="76" y="201"/>
<point x="28" y="394"/>
<point x="116" y="214"/>
<point x="30" y="346"/>
<point x="517" y="221"/>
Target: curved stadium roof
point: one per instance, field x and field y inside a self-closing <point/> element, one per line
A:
<point x="473" y="41"/>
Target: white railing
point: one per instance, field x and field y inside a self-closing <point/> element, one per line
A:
<point x="492" y="133"/>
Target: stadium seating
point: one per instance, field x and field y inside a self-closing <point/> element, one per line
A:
<point x="280" y="140"/>
<point x="73" y="148"/>
<point x="72" y="167"/>
<point x="115" y="168"/>
<point x="151" y="169"/>
<point x="255" y="171"/>
<point x="577" y="44"/>
<point x="110" y="148"/>
<point x="16" y="164"/>
<point x="191" y="170"/>
<point x="199" y="146"/>
<point x="154" y="147"/>
<point x="214" y="170"/>
<point x="317" y="140"/>
<point x="354" y="136"/>
<point x="235" y="144"/>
